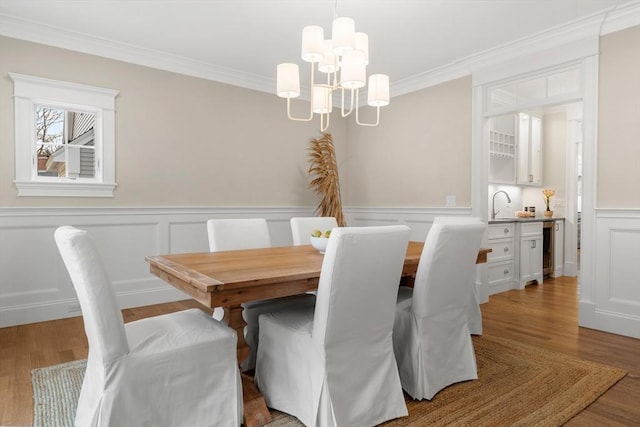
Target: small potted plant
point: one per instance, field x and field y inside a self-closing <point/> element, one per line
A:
<point x="548" y="194"/>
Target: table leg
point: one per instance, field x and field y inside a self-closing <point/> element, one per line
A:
<point x="256" y="413"/>
<point x="236" y="322"/>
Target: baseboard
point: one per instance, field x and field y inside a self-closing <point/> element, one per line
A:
<point x="615" y="323"/>
<point x="70" y="307"/>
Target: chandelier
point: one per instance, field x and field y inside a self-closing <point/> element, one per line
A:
<point x="343" y="59"/>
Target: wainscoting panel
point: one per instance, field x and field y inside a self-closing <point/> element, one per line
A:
<point x="615" y="306"/>
<point x="418" y="219"/>
<point x="188" y="237"/>
<point x="35" y="286"/>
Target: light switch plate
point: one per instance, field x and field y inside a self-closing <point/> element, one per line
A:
<point x="451" y="201"/>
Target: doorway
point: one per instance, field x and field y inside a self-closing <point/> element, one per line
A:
<point x="555" y="162"/>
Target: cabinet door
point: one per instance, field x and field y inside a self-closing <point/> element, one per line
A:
<point x="558" y="249"/>
<point x="530" y="260"/>
<point x="529" y="150"/>
<point x="536" y="259"/>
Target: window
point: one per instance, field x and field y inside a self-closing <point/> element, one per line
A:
<point x="551" y="88"/>
<point x="64" y="138"/>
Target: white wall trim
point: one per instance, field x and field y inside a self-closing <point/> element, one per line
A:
<point x="615" y="19"/>
<point x="23" y="29"/>
<point x="614" y="304"/>
<point x="31" y="91"/>
<point x="620" y="18"/>
<point x="609" y="299"/>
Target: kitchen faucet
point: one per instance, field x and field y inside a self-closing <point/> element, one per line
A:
<point x="493" y="203"/>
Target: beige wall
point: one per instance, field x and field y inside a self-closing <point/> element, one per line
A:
<point x="180" y="141"/>
<point x="184" y="141"/>
<point x="419" y="154"/>
<point x="619" y="120"/>
<point x="555" y="154"/>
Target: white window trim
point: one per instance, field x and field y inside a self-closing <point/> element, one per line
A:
<point x="30" y="91"/>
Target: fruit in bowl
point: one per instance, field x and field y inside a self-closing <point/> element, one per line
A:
<point x="319" y="240"/>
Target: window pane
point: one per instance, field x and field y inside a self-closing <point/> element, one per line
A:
<point x="502" y="96"/>
<point x="65" y="145"/>
<point x="49" y="136"/>
<point x="531" y="90"/>
<point x="566" y="82"/>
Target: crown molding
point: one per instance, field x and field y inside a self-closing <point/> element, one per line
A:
<point x="620" y="18"/>
<point x="572" y="33"/>
<point x="41" y="33"/>
<point x="611" y="20"/>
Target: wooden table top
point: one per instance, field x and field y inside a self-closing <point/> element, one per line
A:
<point x="233" y="277"/>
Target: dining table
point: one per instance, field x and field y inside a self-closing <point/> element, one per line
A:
<point x="230" y="278"/>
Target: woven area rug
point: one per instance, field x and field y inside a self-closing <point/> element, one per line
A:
<point x="518" y="385"/>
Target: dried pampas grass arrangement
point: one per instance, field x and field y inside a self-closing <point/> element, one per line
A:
<point x="323" y="171"/>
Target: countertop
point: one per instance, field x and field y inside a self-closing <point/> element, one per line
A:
<point x="518" y="219"/>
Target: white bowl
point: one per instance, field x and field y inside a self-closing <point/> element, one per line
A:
<point x="320" y="243"/>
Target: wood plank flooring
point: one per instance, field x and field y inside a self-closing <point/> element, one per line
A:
<point x="541" y="315"/>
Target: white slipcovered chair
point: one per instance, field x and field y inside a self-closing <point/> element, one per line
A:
<point x="301" y="227"/>
<point x="431" y="338"/>
<point x="249" y="233"/>
<point x="174" y="369"/>
<point x="334" y="365"/>
<point x="475" y="314"/>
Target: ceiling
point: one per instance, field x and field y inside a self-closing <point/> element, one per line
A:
<point x="246" y="39"/>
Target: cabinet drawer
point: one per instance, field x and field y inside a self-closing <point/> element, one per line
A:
<point x="499" y="272"/>
<point x="500" y="231"/>
<point x="501" y="250"/>
<point x="531" y="229"/>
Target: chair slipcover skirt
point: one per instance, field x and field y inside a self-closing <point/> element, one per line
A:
<point x="178" y="369"/>
<point x="334" y="365"/>
<point x="431" y="337"/>
<point x="181" y="370"/>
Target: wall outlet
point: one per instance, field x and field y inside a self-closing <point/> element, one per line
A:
<point x="450" y="201"/>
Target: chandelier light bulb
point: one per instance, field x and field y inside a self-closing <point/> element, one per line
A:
<point x="312" y="43"/>
<point x="322" y="103"/>
<point x="354" y="70"/>
<point x="288" y="80"/>
<point x="343" y="35"/>
<point x="378" y="95"/>
<point x="329" y="62"/>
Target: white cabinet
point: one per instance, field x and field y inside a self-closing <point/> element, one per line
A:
<point x="502" y="149"/>
<point x="515" y="149"/>
<point x="530" y="252"/>
<point x="558" y="248"/>
<point x="529" y="150"/>
<point x="500" y="261"/>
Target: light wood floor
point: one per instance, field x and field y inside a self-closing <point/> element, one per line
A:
<point x="541" y="315"/>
